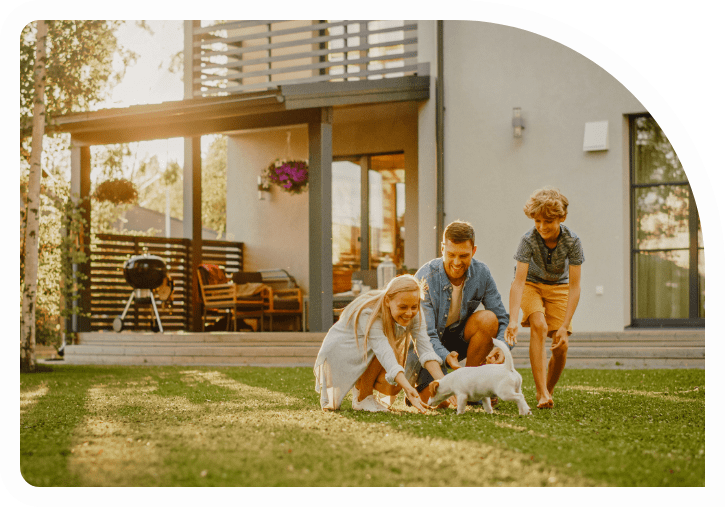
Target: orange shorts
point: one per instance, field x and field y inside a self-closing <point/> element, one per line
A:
<point x="551" y="300"/>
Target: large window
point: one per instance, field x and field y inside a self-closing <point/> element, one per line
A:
<point x="668" y="255"/>
<point x="368" y="213"/>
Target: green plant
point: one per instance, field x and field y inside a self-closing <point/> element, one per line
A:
<point x="116" y="191"/>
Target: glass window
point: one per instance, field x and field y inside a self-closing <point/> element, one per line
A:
<point x="668" y="262"/>
<point x="365" y="231"/>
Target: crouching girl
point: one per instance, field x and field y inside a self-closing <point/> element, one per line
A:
<point x="367" y="348"/>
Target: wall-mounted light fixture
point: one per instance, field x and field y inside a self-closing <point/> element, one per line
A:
<point x="518" y="122"/>
<point x="262" y="187"/>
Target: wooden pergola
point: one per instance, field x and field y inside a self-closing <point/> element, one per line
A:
<point x="310" y="104"/>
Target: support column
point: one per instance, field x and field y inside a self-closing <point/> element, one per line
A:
<point x="365" y="213"/>
<point x="80" y="187"/>
<point x="428" y="246"/>
<point x="192" y="221"/>
<point x="320" y="191"/>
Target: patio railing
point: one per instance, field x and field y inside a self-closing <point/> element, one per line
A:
<point x="110" y="291"/>
<point x="241" y="56"/>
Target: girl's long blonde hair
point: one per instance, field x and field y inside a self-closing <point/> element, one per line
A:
<point x="375" y="300"/>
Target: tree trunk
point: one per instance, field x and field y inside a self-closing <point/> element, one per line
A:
<point x="27" y="329"/>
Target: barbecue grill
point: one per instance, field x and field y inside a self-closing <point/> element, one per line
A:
<point x="145" y="273"/>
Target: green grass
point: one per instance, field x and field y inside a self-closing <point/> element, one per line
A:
<point x="201" y="426"/>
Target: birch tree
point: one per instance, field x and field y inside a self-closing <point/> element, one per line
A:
<point x="27" y="329"/>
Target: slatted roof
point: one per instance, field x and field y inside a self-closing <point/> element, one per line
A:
<point x="286" y="105"/>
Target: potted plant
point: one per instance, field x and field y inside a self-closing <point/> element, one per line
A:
<point x="292" y="176"/>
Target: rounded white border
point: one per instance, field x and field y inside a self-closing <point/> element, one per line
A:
<point x="369" y="9"/>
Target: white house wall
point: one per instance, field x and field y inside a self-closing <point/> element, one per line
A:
<point x="275" y="231"/>
<point x="490" y="69"/>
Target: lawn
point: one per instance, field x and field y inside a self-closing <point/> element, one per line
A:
<point x="244" y="426"/>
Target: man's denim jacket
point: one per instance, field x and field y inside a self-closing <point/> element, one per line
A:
<point x="478" y="287"/>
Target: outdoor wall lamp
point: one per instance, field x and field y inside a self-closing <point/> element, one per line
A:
<point x="517" y="122"/>
<point x="262" y="187"/>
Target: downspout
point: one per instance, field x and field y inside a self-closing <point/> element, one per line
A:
<point x="440" y="215"/>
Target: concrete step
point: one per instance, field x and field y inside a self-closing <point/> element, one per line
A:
<point x="626" y="349"/>
<point x="221" y="337"/>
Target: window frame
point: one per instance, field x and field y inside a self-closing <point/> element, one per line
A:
<point x="693" y="319"/>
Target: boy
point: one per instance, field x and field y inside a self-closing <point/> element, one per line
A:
<point x="546" y="287"/>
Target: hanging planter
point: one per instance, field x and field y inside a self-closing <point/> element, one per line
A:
<point x="119" y="191"/>
<point x="291" y="176"/>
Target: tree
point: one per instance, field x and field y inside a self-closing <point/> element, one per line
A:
<point x="27" y="330"/>
<point x="65" y="66"/>
<point x="214" y="186"/>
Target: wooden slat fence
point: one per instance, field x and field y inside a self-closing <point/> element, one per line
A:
<point x="110" y="291"/>
<point x="241" y="56"/>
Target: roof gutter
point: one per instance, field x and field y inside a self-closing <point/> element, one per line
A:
<point x="440" y="110"/>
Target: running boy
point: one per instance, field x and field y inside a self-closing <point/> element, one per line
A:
<point x="546" y="287"/>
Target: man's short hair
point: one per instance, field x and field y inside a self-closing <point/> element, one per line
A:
<point x="459" y="231"/>
<point x="547" y="202"/>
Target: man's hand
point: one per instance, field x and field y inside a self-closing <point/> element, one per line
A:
<point x="561" y="337"/>
<point x="452" y="360"/>
<point x="495" y="356"/>
<point x="510" y="334"/>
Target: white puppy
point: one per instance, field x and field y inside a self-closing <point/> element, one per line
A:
<point x="482" y="382"/>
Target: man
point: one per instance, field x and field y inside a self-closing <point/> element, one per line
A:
<point x="462" y="306"/>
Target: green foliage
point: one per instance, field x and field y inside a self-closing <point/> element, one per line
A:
<point x="116" y="191"/>
<point x="264" y="427"/>
<point x="72" y="252"/>
<point x="214" y="186"/>
<point x="79" y="66"/>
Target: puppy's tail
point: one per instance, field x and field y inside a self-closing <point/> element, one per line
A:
<point x="508" y="358"/>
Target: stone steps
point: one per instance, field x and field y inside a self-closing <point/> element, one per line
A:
<point x="605" y="350"/>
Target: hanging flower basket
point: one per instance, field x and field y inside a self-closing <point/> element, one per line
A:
<point x="120" y="191"/>
<point x="290" y="175"/>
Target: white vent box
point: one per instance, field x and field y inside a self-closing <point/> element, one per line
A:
<point x="596" y="135"/>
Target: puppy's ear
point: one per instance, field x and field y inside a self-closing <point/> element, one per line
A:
<point x="433" y="388"/>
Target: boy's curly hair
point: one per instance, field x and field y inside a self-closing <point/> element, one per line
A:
<point x="547" y="202"/>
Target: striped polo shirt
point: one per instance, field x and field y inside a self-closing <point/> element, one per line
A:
<point x="549" y="266"/>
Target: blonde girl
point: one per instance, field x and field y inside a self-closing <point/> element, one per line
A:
<point x="366" y="349"/>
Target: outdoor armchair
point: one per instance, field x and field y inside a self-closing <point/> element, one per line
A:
<point x="220" y="296"/>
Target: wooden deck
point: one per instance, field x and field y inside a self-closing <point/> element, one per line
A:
<point x="629" y="349"/>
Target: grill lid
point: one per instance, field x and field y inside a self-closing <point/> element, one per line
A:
<point x="144" y="271"/>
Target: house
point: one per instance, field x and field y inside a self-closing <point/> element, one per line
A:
<point x="408" y="125"/>
<point x="138" y="218"/>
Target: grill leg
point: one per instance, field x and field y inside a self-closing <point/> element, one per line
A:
<point x="128" y="304"/>
<point x="156" y="312"/>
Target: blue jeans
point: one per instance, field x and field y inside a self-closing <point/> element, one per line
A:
<point x="452" y="339"/>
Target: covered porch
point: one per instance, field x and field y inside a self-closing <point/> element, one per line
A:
<point x="312" y="107"/>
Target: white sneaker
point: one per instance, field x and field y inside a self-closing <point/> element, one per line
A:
<point x="388" y="400"/>
<point x="369" y="404"/>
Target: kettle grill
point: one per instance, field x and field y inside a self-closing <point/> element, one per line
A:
<point x="145" y="273"/>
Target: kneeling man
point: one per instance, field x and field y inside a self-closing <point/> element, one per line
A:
<point x="462" y="306"/>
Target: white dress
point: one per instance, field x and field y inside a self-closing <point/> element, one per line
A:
<point x="340" y="362"/>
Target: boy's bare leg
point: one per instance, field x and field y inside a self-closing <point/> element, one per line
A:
<point x="556" y="365"/>
<point x="537" y="357"/>
<point x="479" y="332"/>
